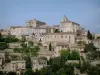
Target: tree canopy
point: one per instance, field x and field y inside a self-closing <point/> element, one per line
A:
<point x="89" y="35"/>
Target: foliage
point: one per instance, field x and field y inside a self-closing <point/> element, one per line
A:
<point x="3" y="45"/>
<point x="1" y="73"/>
<point x="98" y="37"/>
<point x="5" y="40"/>
<point x="57" y="31"/>
<point x="28" y="62"/>
<point x="70" y="55"/>
<point x="81" y="43"/>
<point x="28" y="49"/>
<point x="31" y="43"/>
<point x="11" y="73"/>
<point x="91" y="51"/>
<point x="9" y="39"/>
<point x="93" y="70"/>
<point x="19" y="50"/>
<point x="64" y="55"/>
<point x="29" y="72"/>
<point x="74" y="55"/>
<point x="89" y="35"/>
<point x="14" y="57"/>
<point x="50" y="47"/>
<point x="23" y="39"/>
<point x="23" y="45"/>
<point x="57" y="66"/>
<point x="89" y="47"/>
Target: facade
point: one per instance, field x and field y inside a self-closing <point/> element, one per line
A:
<point x="4" y="32"/>
<point x="40" y="31"/>
<point x="20" y="30"/>
<point x="35" y="23"/>
<point x="67" y="37"/>
<point x="1" y="61"/>
<point x="18" y="67"/>
<point x="97" y="43"/>
<point x="60" y="46"/>
<point x="15" y="45"/>
<point x="38" y="63"/>
<point x="68" y="26"/>
<point x="2" y="58"/>
<point x="97" y="35"/>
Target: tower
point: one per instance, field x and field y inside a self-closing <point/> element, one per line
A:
<point x="64" y="19"/>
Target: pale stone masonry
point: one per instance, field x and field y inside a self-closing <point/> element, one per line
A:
<point x="38" y="63"/>
<point x="35" y="23"/>
<point x="97" y="43"/>
<point x="18" y="66"/>
<point x="69" y="26"/>
<point x="40" y="32"/>
<point x="67" y="37"/>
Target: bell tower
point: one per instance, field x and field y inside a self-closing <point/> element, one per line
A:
<point x="64" y="19"/>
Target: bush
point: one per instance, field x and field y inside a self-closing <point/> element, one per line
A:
<point x="3" y="45"/>
<point x="74" y="55"/>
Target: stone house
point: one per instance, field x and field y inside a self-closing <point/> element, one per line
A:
<point x="38" y="63"/>
<point x="18" y="66"/>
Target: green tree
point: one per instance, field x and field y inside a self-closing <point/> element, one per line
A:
<point x="23" y="45"/>
<point x="31" y="43"/>
<point x="64" y="54"/>
<point x="11" y="73"/>
<point x="57" y="31"/>
<point x="3" y="45"/>
<point x="74" y="55"/>
<point x="93" y="70"/>
<point x="89" y="35"/>
<point x="50" y="47"/>
<point x="23" y="39"/>
<point x="1" y="73"/>
<point x="29" y="72"/>
<point x="89" y="47"/>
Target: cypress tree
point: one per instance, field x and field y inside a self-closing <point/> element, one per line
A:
<point x="89" y="35"/>
<point x="50" y="47"/>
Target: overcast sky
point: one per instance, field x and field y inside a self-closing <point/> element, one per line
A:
<point x="84" y="12"/>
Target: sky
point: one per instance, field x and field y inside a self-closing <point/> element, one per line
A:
<point x="84" y="12"/>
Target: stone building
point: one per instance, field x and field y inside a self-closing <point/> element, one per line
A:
<point x="97" y="35"/>
<point x="69" y="26"/>
<point x="18" y="66"/>
<point x="40" y="31"/>
<point x="38" y="63"/>
<point x="2" y="56"/>
<point x="4" y="32"/>
<point x="20" y="30"/>
<point x="97" y="43"/>
<point x="35" y="23"/>
<point x="60" y="46"/>
<point x="67" y="37"/>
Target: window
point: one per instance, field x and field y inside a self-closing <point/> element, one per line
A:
<point x="69" y="37"/>
<point x="65" y="36"/>
<point x="61" y="36"/>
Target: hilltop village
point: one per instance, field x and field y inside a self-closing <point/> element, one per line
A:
<point x="40" y="49"/>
